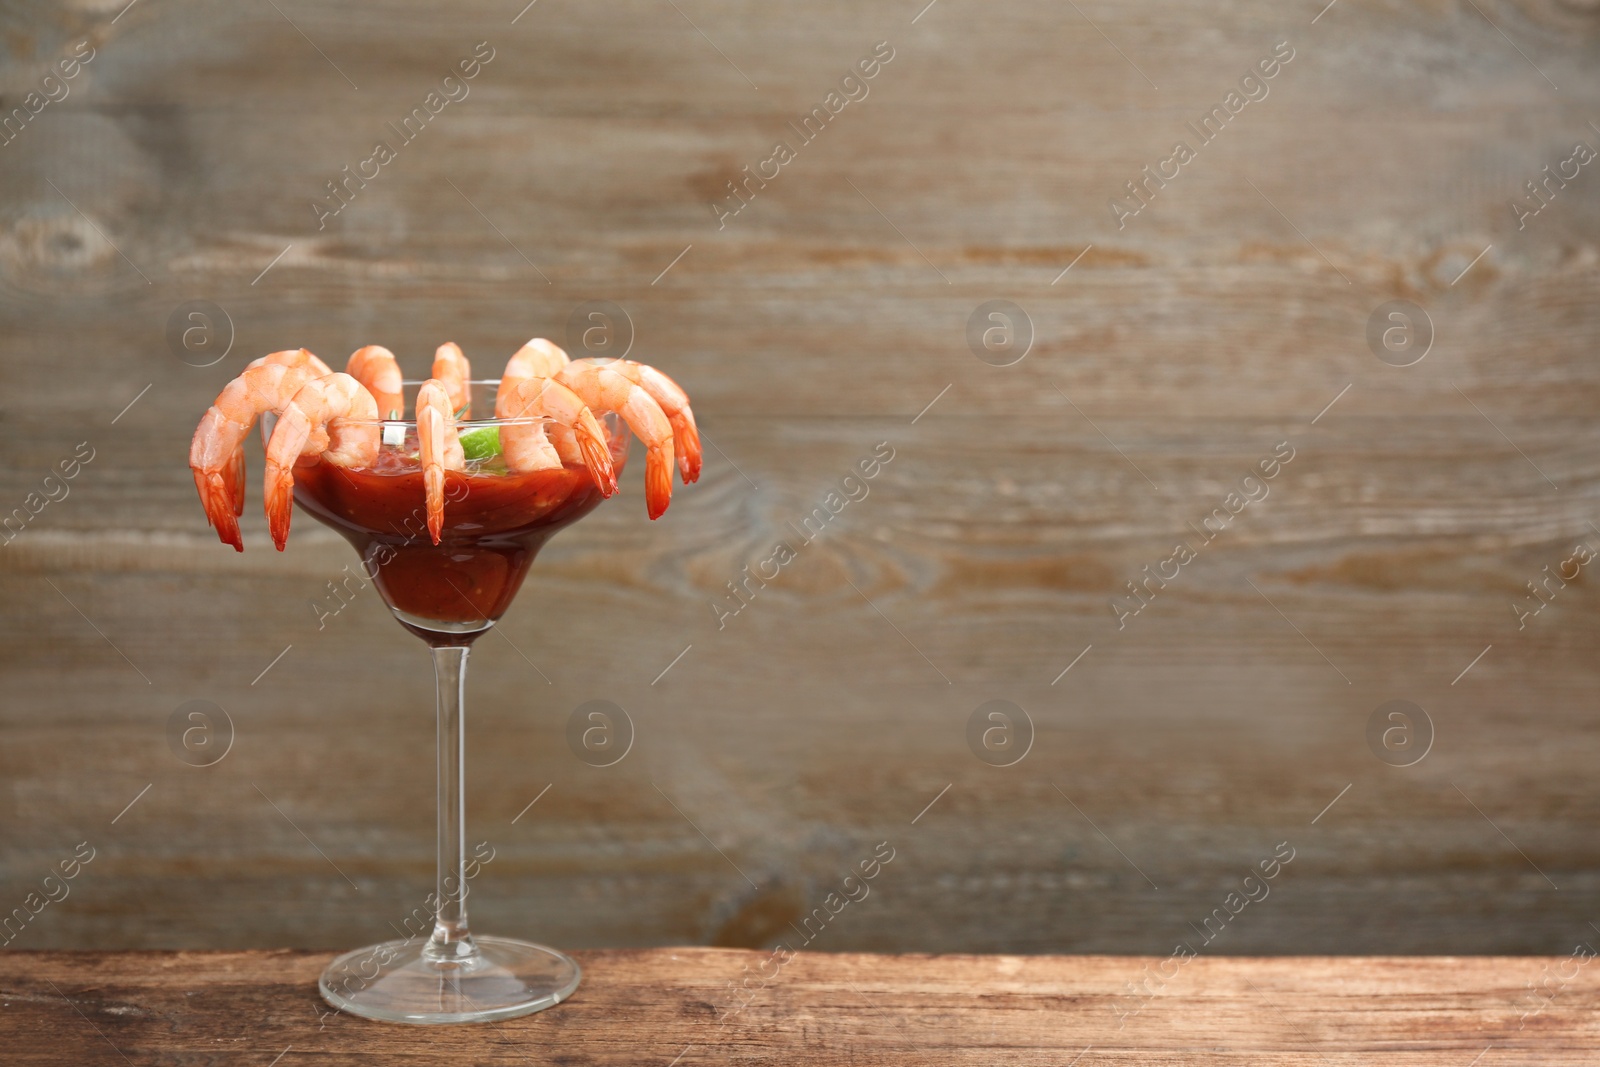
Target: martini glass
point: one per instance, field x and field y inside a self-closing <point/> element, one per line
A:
<point x="449" y="594"/>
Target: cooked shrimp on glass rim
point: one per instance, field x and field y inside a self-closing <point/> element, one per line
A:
<point x="549" y="415"/>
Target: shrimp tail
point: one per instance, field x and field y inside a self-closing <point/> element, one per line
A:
<point x="657" y="481"/>
<point x="433" y="483"/>
<point x="597" y="457"/>
<point x="218" y="501"/>
<point x="279" y="495"/>
<point x="687" y="435"/>
<point x="235" y="480"/>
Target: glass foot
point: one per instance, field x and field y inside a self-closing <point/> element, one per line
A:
<point x="397" y="982"/>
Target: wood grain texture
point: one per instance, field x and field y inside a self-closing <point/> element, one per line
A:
<point x="652" y="1006"/>
<point x="826" y="317"/>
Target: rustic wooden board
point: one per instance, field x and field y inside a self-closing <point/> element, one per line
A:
<point x="826" y="317"/>
<point x="675" y="1005"/>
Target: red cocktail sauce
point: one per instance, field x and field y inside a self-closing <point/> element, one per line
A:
<point x="494" y="525"/>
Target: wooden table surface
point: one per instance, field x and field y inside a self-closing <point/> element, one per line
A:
<point x="677" y="1006"/>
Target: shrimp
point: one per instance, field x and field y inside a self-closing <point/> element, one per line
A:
<point x="536" y="359"/>
<point x="333" y="417"/>
<point x="374" y="367"/>
<point x="604" y="388"/>
<point x="527" y="448"/>
<point x="451" y="369"/>
<point x="540" y="358"/>
<point x="674" y="403"/>
<point x="289" y="357"/>
<point x="439" y="446"/>
<point x="295" y="357"/>
<point x="305" y="360"/>
<point x="216" y="454"/>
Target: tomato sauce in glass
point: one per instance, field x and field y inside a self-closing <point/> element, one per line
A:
<point x="495" y="522"/>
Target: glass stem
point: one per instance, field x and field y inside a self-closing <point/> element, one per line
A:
<point x="451" y="940"/>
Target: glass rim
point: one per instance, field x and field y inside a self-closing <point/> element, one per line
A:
<point x="462" y="425"/>
<point x="413" y="383"/>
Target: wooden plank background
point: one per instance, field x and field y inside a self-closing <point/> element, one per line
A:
<point x="777" y="752"/>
